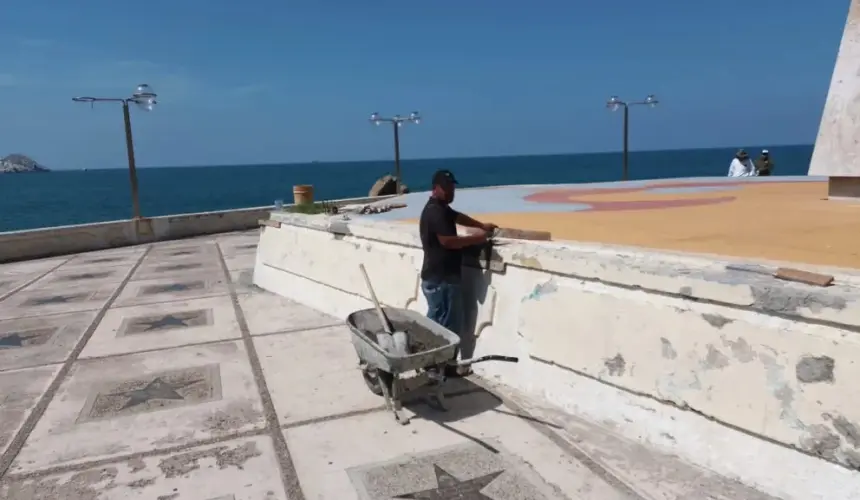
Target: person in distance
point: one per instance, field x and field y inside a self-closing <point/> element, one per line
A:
<point x="764" y="164"/>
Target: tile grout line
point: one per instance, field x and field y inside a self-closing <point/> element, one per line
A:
<point x="567" y="447"/>
<point x="83" y="466"/>
<point x="50" y="315"/>
<point x="17" y="443"/>
<point x="106" y="283"/>
<point x="377" y="409"/>
<point x="289" y="475"/>
<point x="37" y="278"/>
<point x="216" y="440"/>
<point x="178" y="299"/>
<point x="194" y="344"/>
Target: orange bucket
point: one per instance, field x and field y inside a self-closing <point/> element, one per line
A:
<point x="302" y="194"/>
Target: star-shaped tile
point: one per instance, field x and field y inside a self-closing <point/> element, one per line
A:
<point x="157" y="389"/>
<point x="56" y="299"/>
<point x="178" y="267"/>
<point x="13" y="340"/>
<point x="173" y="287"/>
<point x="450" y="488"/>
<point x="85" y="276"/>
<point x="26" y="338"/>
<point x="167" y="321"/>
<point x="104" y="260"/>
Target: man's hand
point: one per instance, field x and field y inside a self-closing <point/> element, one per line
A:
<point x="478" y="235"/>
<point x="489" y="227"/>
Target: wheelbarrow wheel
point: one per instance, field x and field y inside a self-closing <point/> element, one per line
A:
<point x="374" y="380"/>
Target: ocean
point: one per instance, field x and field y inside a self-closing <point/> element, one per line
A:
<point x="29" y="201"/>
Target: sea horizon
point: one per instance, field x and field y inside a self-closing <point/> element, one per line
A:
<point x="434" y="158"/>
<point x="69" y="196"/>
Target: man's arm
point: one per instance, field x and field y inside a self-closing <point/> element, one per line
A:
<point x="447" y="238"/>
<point x="465" y="220"/>
<point x="458" y="242"/>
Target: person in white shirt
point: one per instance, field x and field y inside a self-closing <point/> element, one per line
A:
<point x="741" y="165"/>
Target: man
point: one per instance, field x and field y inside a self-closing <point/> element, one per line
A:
<point x="763" y="164"/>
<point x="441" y="270"/>
<point x="741" y="165"/>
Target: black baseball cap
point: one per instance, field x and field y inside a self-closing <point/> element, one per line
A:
<point x="442" y="177"/>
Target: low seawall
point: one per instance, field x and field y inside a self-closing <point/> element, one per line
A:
<point x="730" y="369"/>
<point x="64" y="240"/>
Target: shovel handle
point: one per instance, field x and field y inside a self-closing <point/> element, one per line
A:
<point x="386" y="324"/>
<point x="489" y="357"/>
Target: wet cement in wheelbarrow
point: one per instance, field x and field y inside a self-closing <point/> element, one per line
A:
<point x="419" y="338"/>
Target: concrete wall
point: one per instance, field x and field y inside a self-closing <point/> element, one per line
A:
<point x="643" y="341"/>
<point x="51" y="241"/>
<point x="62" y="240"/>
<point x="837" y="148"/>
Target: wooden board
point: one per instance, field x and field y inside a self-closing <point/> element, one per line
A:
<point x="789" y="274"/>
<point x="523" y="234"/>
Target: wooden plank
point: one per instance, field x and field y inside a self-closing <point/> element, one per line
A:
<point x="523" y="234"/>
<point x="799" y="276"/>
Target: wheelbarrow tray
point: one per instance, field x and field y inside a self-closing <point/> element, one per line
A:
<point x="439" y="344"/>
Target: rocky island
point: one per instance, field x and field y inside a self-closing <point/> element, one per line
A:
<point x="19" y="164"/>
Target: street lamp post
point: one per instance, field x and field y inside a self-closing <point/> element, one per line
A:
<point x="613" y="104"/>
<point x="144" y="98"/>
<point x="396" y="121"/>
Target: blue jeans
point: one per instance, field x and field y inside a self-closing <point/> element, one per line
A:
<point x="444" y="304"/>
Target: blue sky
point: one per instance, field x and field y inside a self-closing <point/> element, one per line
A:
<point x="265" y="81"/>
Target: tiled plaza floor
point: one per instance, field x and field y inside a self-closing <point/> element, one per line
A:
<point x="160" y="372"/>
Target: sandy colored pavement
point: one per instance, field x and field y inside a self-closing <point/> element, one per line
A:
<point x="775" y="221"/>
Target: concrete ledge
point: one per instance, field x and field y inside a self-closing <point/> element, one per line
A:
<point x="64" y="240"/>
<point x="767" y="358"/>
<point x="694" y="278"/>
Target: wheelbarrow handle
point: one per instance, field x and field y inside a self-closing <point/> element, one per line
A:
<point x="489" y="357"/>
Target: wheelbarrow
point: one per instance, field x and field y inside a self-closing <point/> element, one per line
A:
<point x="392" y="372"/>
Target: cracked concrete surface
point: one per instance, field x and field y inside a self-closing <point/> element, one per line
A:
<point x="118" y="380"/>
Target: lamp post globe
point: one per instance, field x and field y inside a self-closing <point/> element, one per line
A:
<point x="144" y="97"/>
<point x="651" y="101"/>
